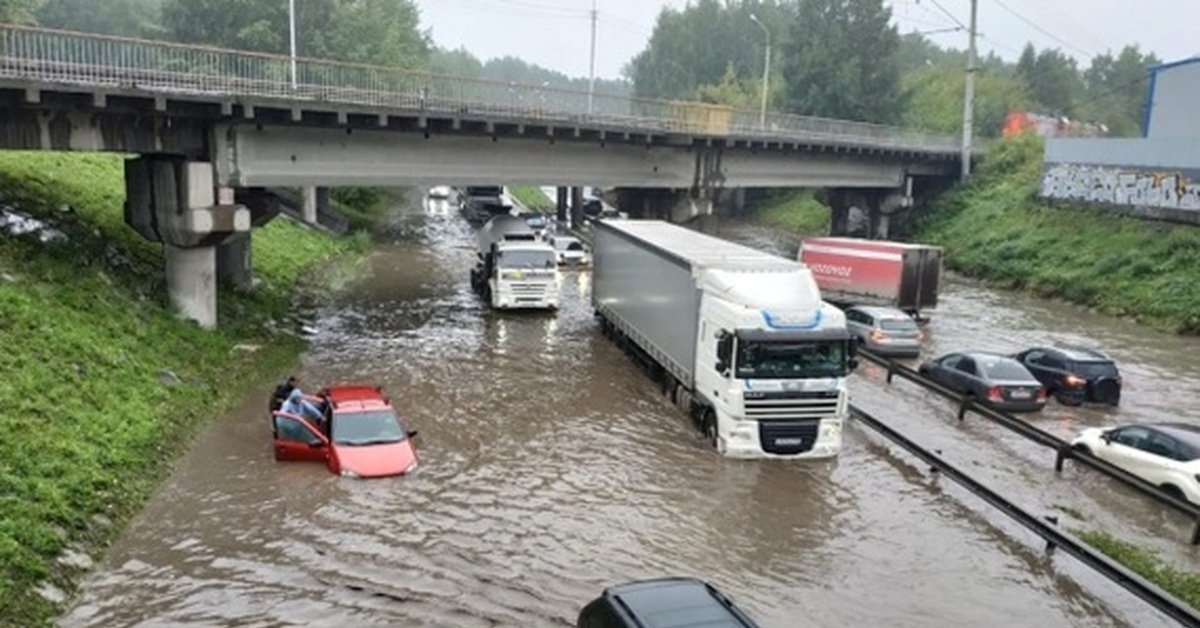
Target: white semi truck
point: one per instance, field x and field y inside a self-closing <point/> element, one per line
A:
<point x="741" y="339"/>
<point x="515" y="269"/>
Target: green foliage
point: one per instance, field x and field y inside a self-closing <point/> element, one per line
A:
<point x="935" y="99"/>
<point x="532" y="198"/>
<point x="126" y="18"/>
<point x="995" y="228"/>
<point x="798" y="212"/>
<point x="363" y="207"/>
<point x="841" y="61"/>
<point x="741" y="93"/>
<point x="1053" y="80"/>
<point x="694" y="45"/>
<point x="460" y="62"/>
<point x="19" y="11"/>
<point x="103" y="386"/>
<point x="378" y="32"/>
<point x="1184" y="585"/>
<point x="1116" y="90"/>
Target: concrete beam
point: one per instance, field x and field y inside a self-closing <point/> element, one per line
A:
<point x="308" y="207"/>
<point x="233" y="262"/>
<point x="191" y="283"/>
<point x="253" y="156"/>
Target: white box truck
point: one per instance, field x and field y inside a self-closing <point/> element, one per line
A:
<point x="515" y="269"/>
<point x="740" y="338"/>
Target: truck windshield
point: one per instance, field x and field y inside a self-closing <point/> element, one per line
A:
<point x="525" y="259"/>
<point x="790" y="360"/>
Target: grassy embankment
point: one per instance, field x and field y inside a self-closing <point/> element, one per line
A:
<point x="796" y="211"/>
<point x="532" y="198"/>
<point x="1184" y="585"/>
<point x="102" y="386"/>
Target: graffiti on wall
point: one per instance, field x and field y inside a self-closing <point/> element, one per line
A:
<point x="1116" y="186"/>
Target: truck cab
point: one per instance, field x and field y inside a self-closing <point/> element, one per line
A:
<point x="515" y="269"/>
<point x="772" y="361"/>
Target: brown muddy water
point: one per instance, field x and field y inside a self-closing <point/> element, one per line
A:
<point x="551" y="467"/>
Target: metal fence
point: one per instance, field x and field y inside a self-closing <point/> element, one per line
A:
<point x="51" y="56"/>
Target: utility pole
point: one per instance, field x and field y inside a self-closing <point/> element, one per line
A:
<point x="592" y="63"/>
<point x="762" y="113"/>
<point x="969" y="98"/>
<point x="292" y="37"/>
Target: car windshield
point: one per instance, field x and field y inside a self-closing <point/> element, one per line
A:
<point x="567" y="244"/>
<point x="898" y="324"/>
<point x="1096" y="370"/>
<point x="998" y="369"/>
<point x="366" y="428"/>
<point x="525" y="259"/>
<point x="790" y="360"/>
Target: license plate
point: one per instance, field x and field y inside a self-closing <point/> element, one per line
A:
<point x="789" y="441"/>
<point x="1020" y="394"/>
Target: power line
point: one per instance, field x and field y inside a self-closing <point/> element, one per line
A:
<point x="1071" y="23"/>
<point x="1043" y="31"/>
<point x="948" y="13"/>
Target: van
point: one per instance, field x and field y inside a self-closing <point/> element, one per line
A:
<point x="663" y="603"/>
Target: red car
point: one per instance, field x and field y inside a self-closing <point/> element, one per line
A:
<point x="361" y="436"/>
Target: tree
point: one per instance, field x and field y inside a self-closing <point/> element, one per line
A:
<point x="1053" y="80"/>
<point x="1116" y="90"/>
<point x="842" y="62"/>
<point x="935" y="94"/>
<point x="127" y="18"/>
<point x="693" y="46"/>
<point x="19" y="11"/>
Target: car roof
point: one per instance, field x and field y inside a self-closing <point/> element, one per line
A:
<point x="989" y="355"/>
<point x="677" y="603"/>
<point x="356" y="398"/>
<point x="879" y="310"/>
<point x="1185" y="432"/>
<point x="1082" y="354"/>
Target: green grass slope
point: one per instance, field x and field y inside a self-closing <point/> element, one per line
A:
<point x="995" y="228"/>
<point x="797" y="212"/>
<point x="102" y="385"/>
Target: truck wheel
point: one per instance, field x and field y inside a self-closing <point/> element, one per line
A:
<point x="709" y="425"/>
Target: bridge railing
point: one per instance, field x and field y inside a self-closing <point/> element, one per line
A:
<point x="53" y="56"/>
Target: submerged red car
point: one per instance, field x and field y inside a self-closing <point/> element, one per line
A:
<point x="361" y="436"/>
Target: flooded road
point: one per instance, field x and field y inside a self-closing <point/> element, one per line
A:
<point x="552" y="467"/>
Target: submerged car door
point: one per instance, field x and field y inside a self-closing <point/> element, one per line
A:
<point x="297" y="439"/>
<point x="1128" y="448"/>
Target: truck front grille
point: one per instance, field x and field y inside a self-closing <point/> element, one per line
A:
<point x="791" y="405"/>
<point x="788" y="438"/>
<point x="529" y="289"/>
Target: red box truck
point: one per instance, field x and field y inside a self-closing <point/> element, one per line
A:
<point x="852" y="271"/>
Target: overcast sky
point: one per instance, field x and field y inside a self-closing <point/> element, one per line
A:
<point x="555" y="33"/>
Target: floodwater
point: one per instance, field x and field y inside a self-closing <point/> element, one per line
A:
<point x="552" y="467"/>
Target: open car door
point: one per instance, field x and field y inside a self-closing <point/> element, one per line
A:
<point x="297" y="439"/>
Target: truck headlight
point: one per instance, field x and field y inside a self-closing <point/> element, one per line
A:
<point x="743" y="432"/>
<point x="831" y="430"/>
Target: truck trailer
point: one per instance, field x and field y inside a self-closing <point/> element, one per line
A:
<point x="740" y="339"/>
<point x="852" y="271"/>
<point x="514" y="268"/>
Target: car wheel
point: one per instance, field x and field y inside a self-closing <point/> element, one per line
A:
<point x="1173" y="491"/>
<point x="1081" y="448"/>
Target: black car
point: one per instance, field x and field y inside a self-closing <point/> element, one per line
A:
<point x="1074" y="375"/>
<point x="675" y="602"/>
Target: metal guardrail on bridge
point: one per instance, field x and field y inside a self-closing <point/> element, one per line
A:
<point x="53" y="56"/>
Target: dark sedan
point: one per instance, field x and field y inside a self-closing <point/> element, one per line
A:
<point x="992" y="379"/>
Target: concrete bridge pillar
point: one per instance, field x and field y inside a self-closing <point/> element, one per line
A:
<point x="576" y="207"/>
<point x="875" y="208"/>
<point x="308" y="204"/>
<point x="176" y="202"/>
<point x="233" y="262"/>
<point x="560" y="204"/>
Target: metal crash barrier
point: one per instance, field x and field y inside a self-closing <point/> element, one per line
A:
<point x="1055" y="538"/>
<point x="1062" y="448"/>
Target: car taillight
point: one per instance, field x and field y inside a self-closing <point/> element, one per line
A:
<point x="1074" y="381"/>
<point x="1041" y="395"/>
<point x="994" y="394"/>
<point x="878" y="335"/>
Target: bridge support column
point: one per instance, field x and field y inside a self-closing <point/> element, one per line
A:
<point x="576" y="207"/>
<point x="176" y="202"/>
<point x="867" y="212"/>
<point x="233" y="262"/>
<point x="308" y="208"/>
<point x="191" y="284"/>
<point x="560" y="204"/>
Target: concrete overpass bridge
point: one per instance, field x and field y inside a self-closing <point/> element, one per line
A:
<point x="212" y="128"/>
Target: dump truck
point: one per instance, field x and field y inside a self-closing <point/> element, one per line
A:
<point x="739" y="339"/>
<point x="853" y="271"/>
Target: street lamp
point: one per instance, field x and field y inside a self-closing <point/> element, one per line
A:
<point x="762" y="115"/>
<point x="292" y="37"/>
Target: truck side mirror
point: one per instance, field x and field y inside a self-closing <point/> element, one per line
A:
<point x="722" y="366"/>
<point x="852" y="364"/>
